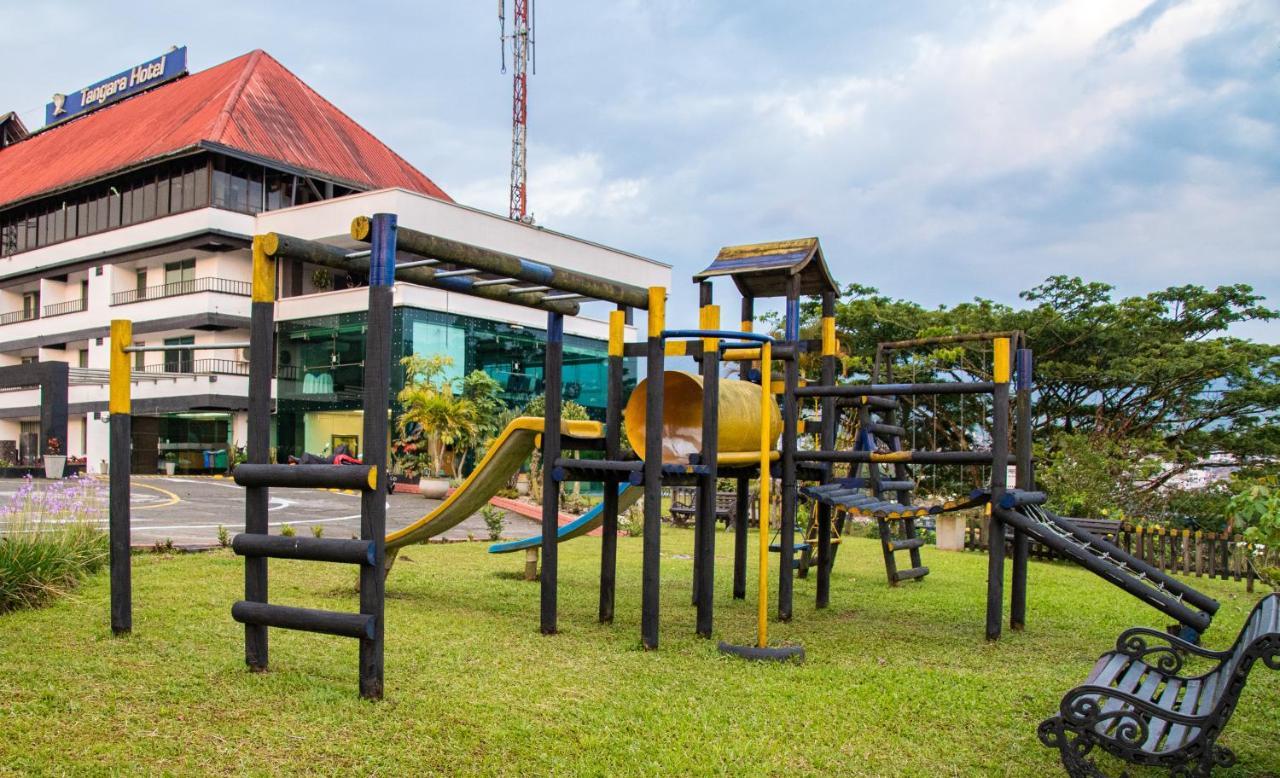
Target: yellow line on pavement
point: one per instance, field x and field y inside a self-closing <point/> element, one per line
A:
<point x="173" y="498"/>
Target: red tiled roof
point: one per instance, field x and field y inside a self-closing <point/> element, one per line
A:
<point x="251" y="104"/>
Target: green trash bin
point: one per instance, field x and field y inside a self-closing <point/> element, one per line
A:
<point x="220" y="460"/>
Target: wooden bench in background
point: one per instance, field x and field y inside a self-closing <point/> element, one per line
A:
<point x="683" y="509"/>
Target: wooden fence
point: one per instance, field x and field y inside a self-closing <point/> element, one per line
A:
<point x="1180" y="551"/>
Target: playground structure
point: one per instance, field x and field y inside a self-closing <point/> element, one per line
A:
<point x="686" y="429"/>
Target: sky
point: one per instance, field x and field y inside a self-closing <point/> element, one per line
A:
<point x="940" y="150"/>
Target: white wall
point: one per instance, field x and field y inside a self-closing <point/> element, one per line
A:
<point x="98" y="449"/>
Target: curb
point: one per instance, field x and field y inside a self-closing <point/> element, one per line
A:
<point x="530" y="511"/>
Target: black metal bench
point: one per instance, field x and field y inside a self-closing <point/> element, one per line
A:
<point x="1138" y="704"/>
<point x="683" y="509"/>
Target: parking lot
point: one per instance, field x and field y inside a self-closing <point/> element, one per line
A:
<point x="189" y="511"/>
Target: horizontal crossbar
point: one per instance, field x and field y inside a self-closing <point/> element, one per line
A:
<point x="362" y="477"/>
<point x="351" y="625"/>
<point x="353" y="552"/>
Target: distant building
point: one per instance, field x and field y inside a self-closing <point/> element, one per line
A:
<point x="144" y="208"/>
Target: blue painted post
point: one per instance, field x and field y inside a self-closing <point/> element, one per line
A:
<point x="377" y="391"/>
<point x="1025" y="480"/>
<point x="790" y="432"/>
<point x="550" y="486"/>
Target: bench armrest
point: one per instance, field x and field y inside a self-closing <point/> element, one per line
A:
<point x="1081" y="710"/>
<point x="1136" y="642"/>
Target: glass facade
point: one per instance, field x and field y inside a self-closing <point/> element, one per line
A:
<point x="321" y="370"/>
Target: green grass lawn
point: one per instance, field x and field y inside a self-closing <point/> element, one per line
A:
<point x="897" y="681"/>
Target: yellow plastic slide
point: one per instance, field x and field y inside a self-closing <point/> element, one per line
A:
<point x="494" y="471"/>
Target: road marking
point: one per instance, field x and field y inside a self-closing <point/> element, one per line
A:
<point x="173" y="498"/>
<point x="270" y="524"/>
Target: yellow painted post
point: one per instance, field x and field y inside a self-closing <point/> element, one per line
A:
<point x="829" y="346"/>
<point x="121" y="337"/>
<point x="264" y="272"/>
<point x="710" y="320"/>
<point x="762" y="607"/>
<point x="617" y="330"/>
<point x="1000" y="361"/>
<point x="657" y="310"/>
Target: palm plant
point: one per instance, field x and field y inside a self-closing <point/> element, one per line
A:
<point x="432" y="409"/>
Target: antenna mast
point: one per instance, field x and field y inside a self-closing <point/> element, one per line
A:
<point x="521" y="38"/>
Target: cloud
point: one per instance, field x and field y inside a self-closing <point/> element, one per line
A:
<point x="940" y="150"/>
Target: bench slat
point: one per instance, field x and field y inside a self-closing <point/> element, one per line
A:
<point x="1127" y="684"/>
<point x="1178" y="732"/>
<point x="1168" y="696"/>
<point x="1106" y="669"/>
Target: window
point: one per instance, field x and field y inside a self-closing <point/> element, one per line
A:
<point x="179" y="360"/>
<point x="139" y="358"/>
<point x="163" y="189"/>
<point x="30" y="360"/>
<point x="30" y="305"/>
<point x="84" y="291"/>
<point x="84" y="358"/>
<point x="179" y="277"/>
<point x="141" y="285"/>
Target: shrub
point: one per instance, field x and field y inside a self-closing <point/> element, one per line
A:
<point x="1256" y="509"/>
<point x="49" y="541"/>
<point x="495" y="520"/>
<point x="224" y="537"/>
<point x="631" y="521"/>
<point x="317" y="531"/>
<point x="288" y="531"/>
<point x="162" y="546"/>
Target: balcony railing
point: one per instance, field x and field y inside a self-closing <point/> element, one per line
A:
<point x="83" y="375"/>
<point x="70" y="306"/>
<point x="177" y="288"/>
<point x="201" y="366"/>
<point x="13" y="317"/>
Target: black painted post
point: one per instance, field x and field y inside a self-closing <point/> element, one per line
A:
<point x="744" y="484"/>
<point x="119" y="455"/>
<point x="612" y="452"/>
<point x="377" y="403"/>
<point x="706" y="528"/>
<point x="827" y="443"/>
<point x="257" y="447"/>
<point x="54" y="388"/>
<point x="550" y="486"/>
<point x="790" y="410"/>
<point x="651" y="584"/>
<point x="1026" y="482"/>
<point x="999" y="467"/>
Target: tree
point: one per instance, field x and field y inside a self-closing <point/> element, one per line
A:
<point x="537" y="406"/>
<point x="431" y="410"/>
<point x="483" y="393"/>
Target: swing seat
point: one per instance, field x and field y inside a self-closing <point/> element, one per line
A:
<point x="799" y="547"/>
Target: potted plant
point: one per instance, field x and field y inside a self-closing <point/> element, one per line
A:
<point x="170" y="463"/>
<point x="433" y="413"/>
<point x="522" y="485"/>
<point x="55" y="462"/>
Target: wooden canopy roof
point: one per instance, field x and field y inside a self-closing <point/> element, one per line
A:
<point x="764" y="269"/>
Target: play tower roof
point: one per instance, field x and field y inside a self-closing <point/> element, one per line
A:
<point x="764" y="269"/>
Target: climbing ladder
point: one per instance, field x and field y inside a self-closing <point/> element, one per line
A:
<point x="1025" y="510"/>
<point x="869" y="496"/>
<point x="878" y="430"/>
<point x="257" y="476"/>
